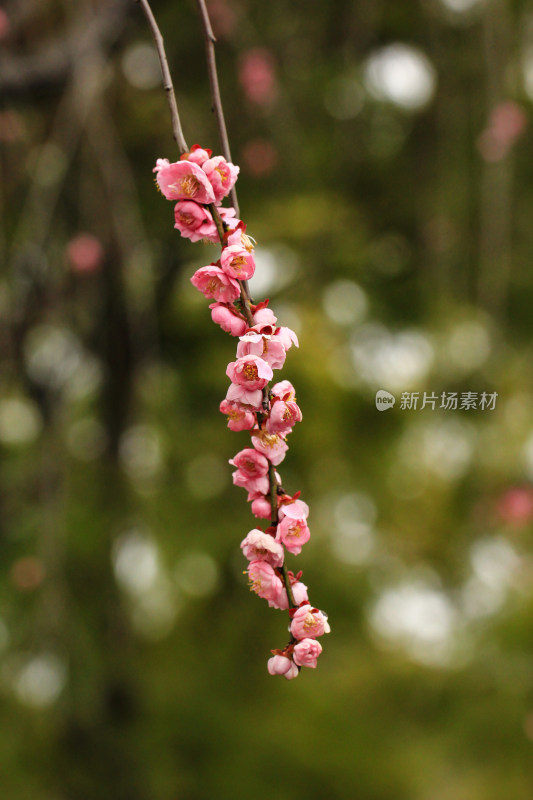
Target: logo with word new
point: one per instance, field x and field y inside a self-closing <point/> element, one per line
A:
<point x="384" y="400"/>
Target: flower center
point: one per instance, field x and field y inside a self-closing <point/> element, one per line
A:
<point x="309" y="621"/>
<point x="238" y="263"/>
<point x="269" y="439"/>
<point x="212" y="285"/>
<point x="189" y="185"/>
<point x="222" y="173"/>
<point x="250" y="372"/>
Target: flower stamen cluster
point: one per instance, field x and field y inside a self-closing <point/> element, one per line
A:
<point x="198" y="183"/>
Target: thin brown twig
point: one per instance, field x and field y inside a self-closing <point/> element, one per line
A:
<point x="167" y="80"/>
<point x="215" y="90"/>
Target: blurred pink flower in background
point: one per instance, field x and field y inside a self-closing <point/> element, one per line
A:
<point x="260" y="157"/>
<point x="85" y="253"/>
<point x="5" y="25"/>
<point x="257" y="76"/>
<point x="515" y="506"/>
<point x="507" y="123"/>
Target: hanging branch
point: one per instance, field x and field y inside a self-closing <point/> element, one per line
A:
<point x="215" y="90"/>
<point x="167" y="79"/>
<point x="199" y="183"/>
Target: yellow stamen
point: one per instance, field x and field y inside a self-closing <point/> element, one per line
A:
<point x="250" y="372"/>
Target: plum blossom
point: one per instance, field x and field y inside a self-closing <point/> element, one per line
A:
<point x="261" y="546"/>
<point x="214" y="283"/>
<point x="271" y="445"/>
<point x="295" y="509"/>
<point x="308" y="622"/>
<point x="249" y="371"/>
<point x="284" y="390"/>
<point x="240" y="238"/>
<point x="237" y="262"/>
<point x="228" y="318"/>
<point x="287" y="337"/>
<point x="240" y="394"/>
<point x="183" y="180"/>
<point x="260" y="506"/>
<point x="264" y="581"/>
<point x="196" y="223"/>
<point x="279" y="665"/>
<point x="221" y="174"/>
<point x="193" y="221"/>
<point x="294" y="533"/>
<point x="239" y="418"/>
<point x="265" y="316"/>
<point x="197" y="154"/>
<point x="306" y="653"/>
<point x="291" y="673"/>
<point x="267" y="346"/>
<point x="250" y="463"/>
<point x="299" y="593"/>
<point x="259" y="485"/>
<point x="282" y="416"/>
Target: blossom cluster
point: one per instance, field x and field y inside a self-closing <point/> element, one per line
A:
<point x="198" y="183"/>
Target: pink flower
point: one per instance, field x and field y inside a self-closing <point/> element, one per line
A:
<point x="237" y="262"/>
<point x="228" y="318"/>
<point x="247" y="397"/>
<point x="228" y="218"/>
<point x="197" y="154"/>
<point x="295" y="509"/>
<point x="258" y="485"/>
<point x="249" y="371"/>
<point x="221" y="174"/>
<point x="160" y="164"/>
<point x="306" y="652"/>
<point x="85" y="253"/>
<point x="299" y="593"/>
<point x="271" y="445"/>
<point x="264" y="316"/>
<point x="266" y="346"/>
<point x="282" y="417"/>
<point x="284" y="390"/>
<point x="257" y="76"/>
<point x="239" y="419"/>
<point x="516" y="505"/>
<point x="183" y="180"/>
<point x="194" y="221"/>
<point x="250" y="463"/>
<point x="214" y="283"/>
<point x="287" y="337"/>
<point x="279" y="665"/>
<point x="308" y="622"/>
<point x="261" y="507"/>
<point x="264" y="581"/>
<point x="240" y="238"/>
<point x="293" y="672"/>
<point x="263" y="547"/>
<point x="294" y="533"/>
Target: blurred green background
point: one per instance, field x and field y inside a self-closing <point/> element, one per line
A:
<point x="386" y="173"/>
